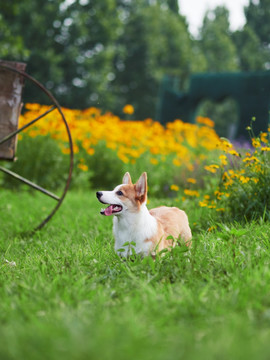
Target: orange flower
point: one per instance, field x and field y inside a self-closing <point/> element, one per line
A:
<point x="128" y="109"/>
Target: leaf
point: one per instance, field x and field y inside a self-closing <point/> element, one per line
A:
<point x="127" y="243"/>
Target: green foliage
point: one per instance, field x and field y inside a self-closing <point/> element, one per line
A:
<point x="225" y="115"/>
<point x="250" y="194"/>
<point x="113" y="52"/>
<point x="161" y="32"/>
<point x="243" y="191"/>
<point x="95" y="50"/>
<point x="258" y="22"/>
<point x="258" y="18"/>
<point x="11" y="47"/>
<point x="216" y="43"/>
<point x="39" y="160"/>
<point x="106" y="168"/>
<point x="250" y="52"/>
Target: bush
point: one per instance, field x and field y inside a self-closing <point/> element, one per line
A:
<point x="40" y="160"/>
<point x="243" y="193"/>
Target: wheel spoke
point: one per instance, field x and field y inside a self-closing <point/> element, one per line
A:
<point x="9" y="136"/>
<point x="29" y="183"/>
<point x="71" y="160"/>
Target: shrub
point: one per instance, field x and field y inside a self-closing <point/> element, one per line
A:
<point x="40" y="160"/>
<point x="243" y="192"/>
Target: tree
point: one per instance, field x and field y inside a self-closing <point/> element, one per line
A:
<point x="88" y="36"/>
<point x="155" y="42"/>
<point x="70" y="48"/>
<point x="251" y="55"/>
<point x="11" y="46"/>
<point x="216" y="43"/>
<point x="258" y="18"/>
<point x="221" y="55"/>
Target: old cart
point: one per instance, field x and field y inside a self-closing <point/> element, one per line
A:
<point x="12" y="80"/>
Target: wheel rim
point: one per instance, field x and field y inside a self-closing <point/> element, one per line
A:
<point x="59" y="199"/>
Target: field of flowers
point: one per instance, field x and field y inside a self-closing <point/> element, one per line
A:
<point x="176" y="150"/>
<point x="184" y="161"/>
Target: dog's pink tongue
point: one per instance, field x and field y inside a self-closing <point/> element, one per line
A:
<point x="109" y="210"/>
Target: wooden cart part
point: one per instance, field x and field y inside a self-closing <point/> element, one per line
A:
<point x="10" y="99"/>
<point x="11" y="85"/>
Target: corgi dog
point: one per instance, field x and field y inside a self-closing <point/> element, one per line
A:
<point x="147" y="231"/>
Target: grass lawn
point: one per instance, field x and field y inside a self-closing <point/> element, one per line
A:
<point x="70" y="297"/>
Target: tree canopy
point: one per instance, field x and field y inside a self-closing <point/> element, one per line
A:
<point x="112" y="52"/>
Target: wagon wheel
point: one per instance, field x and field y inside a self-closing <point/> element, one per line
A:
<point x="12" y="135"/>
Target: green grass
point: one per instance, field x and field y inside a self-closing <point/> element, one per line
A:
<point x="70" y="297"/>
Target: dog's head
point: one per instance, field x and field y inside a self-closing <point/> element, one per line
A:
<point x="125" y="197"/>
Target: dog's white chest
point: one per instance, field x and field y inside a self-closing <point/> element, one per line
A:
<point x="134" y="231"/>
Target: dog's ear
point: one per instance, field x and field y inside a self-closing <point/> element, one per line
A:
<point x="141" y="188"/>
<point x="127" y="179"/>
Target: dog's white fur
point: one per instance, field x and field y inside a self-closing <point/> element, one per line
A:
<point x="134" y="226"/>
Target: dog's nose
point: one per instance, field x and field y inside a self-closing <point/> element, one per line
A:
<point x="99" y="194"/>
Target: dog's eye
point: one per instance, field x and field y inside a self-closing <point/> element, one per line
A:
<point x="119" y="193"/>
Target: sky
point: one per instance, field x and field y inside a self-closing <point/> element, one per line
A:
<point x="194" y="10"/>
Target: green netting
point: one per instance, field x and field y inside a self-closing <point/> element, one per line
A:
<point x="250" y="90"/>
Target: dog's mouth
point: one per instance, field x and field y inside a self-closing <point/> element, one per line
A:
<point x="112" y="209"/>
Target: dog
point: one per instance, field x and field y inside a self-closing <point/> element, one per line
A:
<point x="137" y="229"/>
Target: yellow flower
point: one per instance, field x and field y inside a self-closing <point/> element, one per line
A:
<point x="191" y="192"/>
<point x="174" y="187"/>
<point x="33" y="107"/>
<point x="176" y="162"/>
<point x="185" y="145"/>
<point x="90" y="151"/>
<point x="223" y="160"/>
<point x="83" y="167"/>
<point x="211" y="168"/>
<point x="218" y="194"/>
<point x="203" y="203"/>
<point x="154" y="150"/>
<point x="66" y="151"/>
<point x="263" y="137"/>
<point x="256" y="143"/>
<point x="244" y="179"/>
<point x="153" y="161"/>
<point x="128" y="109"/>
<point x="224" y="145"/>
<point x="75" y="148"/>
<point x="205" y="121"/>
<point x="233" y="152"/>
<point x="250" y="159"/>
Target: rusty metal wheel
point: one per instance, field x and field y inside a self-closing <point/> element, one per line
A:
<point x="7" y="140"/>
